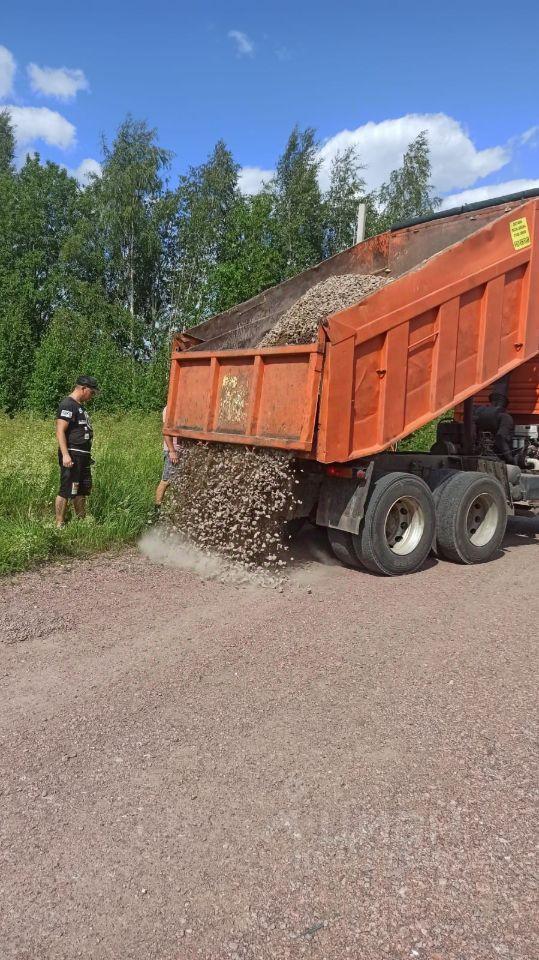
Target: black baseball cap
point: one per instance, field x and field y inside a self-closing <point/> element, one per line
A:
<point x="89" y="382"/>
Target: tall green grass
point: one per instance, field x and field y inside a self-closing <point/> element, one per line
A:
<point x="127" y="451"/>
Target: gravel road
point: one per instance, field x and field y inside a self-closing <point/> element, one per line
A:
<point x="194" y="769"/>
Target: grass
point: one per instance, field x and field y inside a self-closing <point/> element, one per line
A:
<point x="127" y="451"/>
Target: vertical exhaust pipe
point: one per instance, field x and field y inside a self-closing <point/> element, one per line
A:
<point x="360" y="222"/>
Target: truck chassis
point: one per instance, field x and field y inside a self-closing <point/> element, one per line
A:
<point x="388" y="512"/>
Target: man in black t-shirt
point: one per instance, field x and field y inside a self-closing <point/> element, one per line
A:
<point x="74" y="434"/>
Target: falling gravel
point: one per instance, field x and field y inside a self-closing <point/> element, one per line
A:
<point x="301" y="322"/>
<point x="234" y="501"/>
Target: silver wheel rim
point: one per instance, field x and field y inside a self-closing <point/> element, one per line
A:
<point x="482" y="519"/>
<point x="404" y="526"/>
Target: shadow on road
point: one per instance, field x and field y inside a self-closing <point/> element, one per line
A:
<point x="311" y="549"/>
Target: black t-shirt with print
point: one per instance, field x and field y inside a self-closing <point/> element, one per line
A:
<point x="79" y="433"/>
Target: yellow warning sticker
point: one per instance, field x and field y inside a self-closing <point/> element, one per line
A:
<point x="520" y="234"/>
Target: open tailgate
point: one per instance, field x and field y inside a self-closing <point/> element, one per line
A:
<point x="267" y="397"/>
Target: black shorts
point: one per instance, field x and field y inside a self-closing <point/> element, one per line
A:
<point x="75" y="481"/>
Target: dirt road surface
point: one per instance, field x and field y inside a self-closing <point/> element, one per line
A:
<point x="194" y="769"/>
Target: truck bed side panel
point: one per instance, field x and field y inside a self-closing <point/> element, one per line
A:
<point x="430" y="339"/>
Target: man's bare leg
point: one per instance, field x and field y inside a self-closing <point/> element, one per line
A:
<point x="162" y="488"/>
<point x="60" y="506"/>
<point x="79" y="506"/>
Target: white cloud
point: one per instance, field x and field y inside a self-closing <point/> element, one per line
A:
<point x="488" y="192"/>
<point x="40" y="123"/>
<point x="530" y="137"/>
<point x="59" y="82"/>
<point x="7" y="71"/>
<point x="244" y="45"/>
<point x="85" y="171"/>
<point x="252" y="179"/>
<point x="456" y="161"/>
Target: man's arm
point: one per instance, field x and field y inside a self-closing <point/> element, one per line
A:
<point x="61" y="428"/>
<point x="172" y="452"/>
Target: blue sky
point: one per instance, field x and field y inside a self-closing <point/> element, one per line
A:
<point x="362" y="73"/>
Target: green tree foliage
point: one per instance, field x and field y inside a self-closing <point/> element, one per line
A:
<point x="135" y="214"/>
<point x="16" y="342"/>
<point x="346" y="192"/>
<point x="86" y="336"/>
<point x="94" y="279"/>
<point x="59" y="359"/>
<point x="84" y="253"/>
<point x="298" y="206"/>
<point x="153" y="383"/>
<point x="250" y="260"/>
<point x="207" y="200"/>
<point x="409" y="192"/>
<point x="7" y="195"/>
<point x="7" y="145"/>
<point x="44" y="202"/>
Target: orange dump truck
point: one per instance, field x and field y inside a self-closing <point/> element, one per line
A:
<point x="461" y="312"/>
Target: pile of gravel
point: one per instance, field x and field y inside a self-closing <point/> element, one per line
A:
<point x="301" y="321"/>
<point x="234" y="501"/>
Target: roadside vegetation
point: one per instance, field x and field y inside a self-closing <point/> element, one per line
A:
<point x="128" y="463"/>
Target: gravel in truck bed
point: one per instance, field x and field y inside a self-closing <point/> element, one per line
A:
<point x="301" y="321"/>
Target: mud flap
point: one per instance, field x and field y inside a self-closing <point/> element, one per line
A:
<point x="342" y="502"/>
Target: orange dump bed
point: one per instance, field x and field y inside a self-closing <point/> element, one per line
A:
<point x="462" y="310"/>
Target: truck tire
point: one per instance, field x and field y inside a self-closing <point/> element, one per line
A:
<point x="436" y="493"/>
<point x="471" y="517"/>
<point x="398" y="529"/>
<point x="342" y="545"/>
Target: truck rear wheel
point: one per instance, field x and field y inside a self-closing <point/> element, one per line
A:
<point x="342" y="545"/>
<point x="471" y="517"/>
<point x="397" y="531"/>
